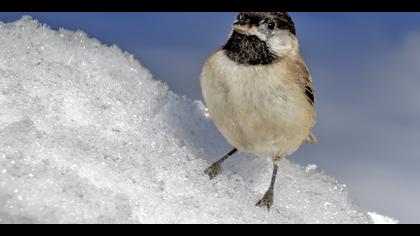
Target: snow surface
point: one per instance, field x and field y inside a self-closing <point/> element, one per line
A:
<point x="380" y="219"/>
<point x="88" y="136"/>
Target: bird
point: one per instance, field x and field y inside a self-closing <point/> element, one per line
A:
<point x="259" y="92"/>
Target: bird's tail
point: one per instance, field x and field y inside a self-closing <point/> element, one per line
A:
<point x="311" y="138"/>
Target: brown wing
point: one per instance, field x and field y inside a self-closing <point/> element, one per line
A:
<point x="305" y="80"/>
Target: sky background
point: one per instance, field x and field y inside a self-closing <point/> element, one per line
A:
<point x="366" y="71"/>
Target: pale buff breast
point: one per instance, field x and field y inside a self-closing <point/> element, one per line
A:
<point x="258" y="109"/>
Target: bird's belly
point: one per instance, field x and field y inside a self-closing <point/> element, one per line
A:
<point x="262" y="124"/>
<point x="260" y="115"/>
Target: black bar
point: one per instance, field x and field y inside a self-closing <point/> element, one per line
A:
<point x="212" y="5"/>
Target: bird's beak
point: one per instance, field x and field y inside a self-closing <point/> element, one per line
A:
<point x="246" y="29"/>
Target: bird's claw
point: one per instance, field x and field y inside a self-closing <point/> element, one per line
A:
<point x="266" y="201"/>
<point x="213" y="170"/>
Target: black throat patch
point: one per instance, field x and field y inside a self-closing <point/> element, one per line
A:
<point x="248" y="50"/>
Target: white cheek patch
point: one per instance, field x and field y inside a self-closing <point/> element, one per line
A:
<point x="282" y="43"/>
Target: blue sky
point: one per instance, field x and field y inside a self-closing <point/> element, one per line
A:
<point x="365" y="67"/>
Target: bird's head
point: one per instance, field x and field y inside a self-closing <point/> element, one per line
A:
<point x="261" y="37"/>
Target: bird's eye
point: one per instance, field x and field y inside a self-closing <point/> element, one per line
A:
<point x="271" y="25"/>
<point x="240" y="17"/>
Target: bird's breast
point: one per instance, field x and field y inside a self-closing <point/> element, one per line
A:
<point x="259" y="109"/>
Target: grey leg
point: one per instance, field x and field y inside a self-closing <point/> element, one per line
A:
<point x="267" y="200"/>
<point x="214" y="169"/>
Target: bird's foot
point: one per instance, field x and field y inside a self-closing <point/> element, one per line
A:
<point x="266" y="201"/>
<point x="213" y="170"/>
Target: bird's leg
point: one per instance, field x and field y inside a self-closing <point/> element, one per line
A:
<point x="214" y="169"/>
<point x="267" y="200"/>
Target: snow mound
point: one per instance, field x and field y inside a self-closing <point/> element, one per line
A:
<point x="88" y="136"/>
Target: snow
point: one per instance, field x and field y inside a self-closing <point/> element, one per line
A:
<point x="380" y="219"/>
<point x="87" y="135"/>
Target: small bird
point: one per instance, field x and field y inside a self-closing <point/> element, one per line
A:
<point x="259" y="92"/>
